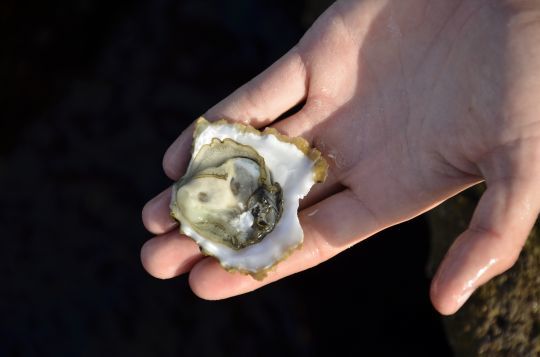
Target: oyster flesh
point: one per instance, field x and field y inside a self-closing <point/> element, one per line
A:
<point x="239" y="197"/>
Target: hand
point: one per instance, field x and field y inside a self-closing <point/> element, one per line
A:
<point x="411" y="102"/>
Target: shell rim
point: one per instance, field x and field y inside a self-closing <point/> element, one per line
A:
<point x="320" y="172"/>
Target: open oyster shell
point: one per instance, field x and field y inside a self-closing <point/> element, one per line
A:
<point x="239" y="197"/>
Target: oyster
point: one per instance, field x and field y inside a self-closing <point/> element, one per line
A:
<point x="239" y="197"/>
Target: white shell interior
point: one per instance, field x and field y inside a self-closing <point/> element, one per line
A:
<point x="293" y="170"/>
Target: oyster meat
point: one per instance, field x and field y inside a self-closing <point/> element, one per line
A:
<point x="239" y="197"/>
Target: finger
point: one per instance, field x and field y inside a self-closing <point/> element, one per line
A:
<point x="329" y="227"/>
<point x="491" y="245"/>
<point x="169" y="255"/>
<point x="257" y="103"/>
<point x="177" y="156"/>
<point x="156" y="214"/>
<point x="267" y="96"/>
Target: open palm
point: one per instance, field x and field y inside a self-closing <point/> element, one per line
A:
<point x="410" y="102"/>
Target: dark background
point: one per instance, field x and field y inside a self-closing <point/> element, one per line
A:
<point x="92" y="94"/>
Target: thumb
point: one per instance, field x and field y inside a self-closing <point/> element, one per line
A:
<point x="492" y="243"/>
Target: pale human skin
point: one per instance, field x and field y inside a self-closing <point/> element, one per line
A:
<point x="411" y="102"/>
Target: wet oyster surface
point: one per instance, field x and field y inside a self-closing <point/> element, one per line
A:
<point x="239" y="197"/>
<point x="229" y="196"/>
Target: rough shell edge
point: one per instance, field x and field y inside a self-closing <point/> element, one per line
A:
<point x="320" y="171"/>
<point x="258" y="275"/>
<point x="320" y="166"/>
